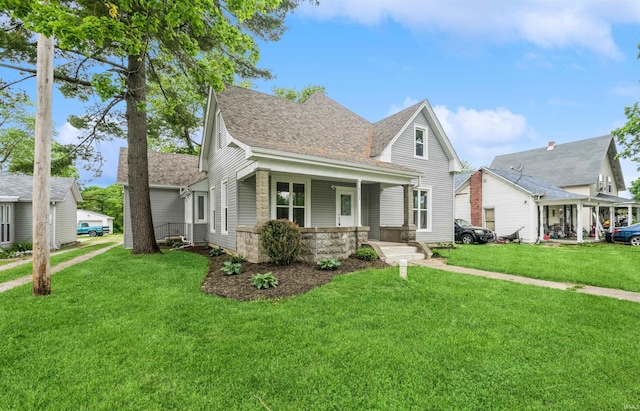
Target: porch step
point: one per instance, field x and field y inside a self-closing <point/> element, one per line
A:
<point x="395" y="253"/>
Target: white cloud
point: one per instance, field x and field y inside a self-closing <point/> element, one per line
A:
<point x="68" y="134"/>
<point x="479" y="135"/>
<point x="632" y="91"/>
<point x="408" y="102"/>
<point x="548" y="24"/>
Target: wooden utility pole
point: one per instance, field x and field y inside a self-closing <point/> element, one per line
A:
<point x="42" y="168"/>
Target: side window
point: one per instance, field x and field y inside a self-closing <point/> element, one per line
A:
<point x="201" y="208"/>
<point x="212" y="210"/>
<point x="420" y="142"/>
<point x="224" y="206"/>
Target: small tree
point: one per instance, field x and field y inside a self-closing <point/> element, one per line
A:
<point x="281" y="240"/>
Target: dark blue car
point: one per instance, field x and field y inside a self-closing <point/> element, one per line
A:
<point x="629" y="234"/>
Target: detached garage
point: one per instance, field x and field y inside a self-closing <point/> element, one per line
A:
<point x="95" y="219"/>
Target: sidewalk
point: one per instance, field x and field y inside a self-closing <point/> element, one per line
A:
<point x="439" y="264"/>
<point x="23" y="280"/>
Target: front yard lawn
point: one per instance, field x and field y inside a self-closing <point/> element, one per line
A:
<point x="602" y="264"/>
<point x="136" y="332"/>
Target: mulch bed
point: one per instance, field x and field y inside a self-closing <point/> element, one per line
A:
<point x="295" y="279"/>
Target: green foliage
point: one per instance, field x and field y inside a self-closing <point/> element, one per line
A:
<point x="216" y="251"/>
<point x="231" y="268"/>
<point x="265" y="280"/>
<point x="281" y="240"/>
<point x="329" y="263"/>
<point x="635" y="189"/>
<point x="105" y="200"/>
<point x="628" y="136"/>
<point x="237" y="258"/>
<point x="297" y="96"/>
<point x="365" y="253"/>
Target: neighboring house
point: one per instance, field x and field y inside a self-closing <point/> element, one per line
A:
<point x="561" y="191"/>
<point x="169" y="176"/>
<point x="342" y="179"/>
<point x="95" y="219"/>
<point x="16" y="215"/>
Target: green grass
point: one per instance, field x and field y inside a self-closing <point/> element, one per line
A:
<point x="135" y="332"/>
<point x="602" y="265"/>
<point x="26" y="269"/>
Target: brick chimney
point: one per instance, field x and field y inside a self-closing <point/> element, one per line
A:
<point x="476" y="198"/>
<point x="551" y="145"/>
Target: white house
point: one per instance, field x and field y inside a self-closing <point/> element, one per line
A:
<point x="95" y="219"/>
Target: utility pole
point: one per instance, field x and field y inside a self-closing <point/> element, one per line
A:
<point x="42" y="168"/>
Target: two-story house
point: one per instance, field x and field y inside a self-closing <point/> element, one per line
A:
<point x="342" y="179"/>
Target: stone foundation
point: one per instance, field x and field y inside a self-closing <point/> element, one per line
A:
<point x="402" y="234"/>
<point x="317" y="243"/>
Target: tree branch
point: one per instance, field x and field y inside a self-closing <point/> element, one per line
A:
<point x="96" y="58"/>
<point x="57" y="76"/>
<point x="16" y="82"/>
<point x="94" y="131"/>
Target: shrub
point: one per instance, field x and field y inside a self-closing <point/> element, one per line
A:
<point x="237" y="258"/>
<point x="367" y="254"/>
<point x="265" y="280"/>
<point x="214" y="252"/>
<point x="22" y="246"/>
<point x="231" y="268"/>
<point x="281" y="240"/>
<point x="329" y="264"/>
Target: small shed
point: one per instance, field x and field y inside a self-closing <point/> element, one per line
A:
<point x="95" y="219"/>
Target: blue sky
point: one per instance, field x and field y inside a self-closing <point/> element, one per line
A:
<point x="501" y="75"/>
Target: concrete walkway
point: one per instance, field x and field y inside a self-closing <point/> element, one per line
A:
<point x="439" y="264"/>
<point x="23" y="280"/>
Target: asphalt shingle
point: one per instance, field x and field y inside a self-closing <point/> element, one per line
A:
<point x="165" y="169"/>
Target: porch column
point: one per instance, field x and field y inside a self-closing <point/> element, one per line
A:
<point x="262" y="196"/>
<point x="629" y="215"/>
<point x="408" y="205"/>
<point x="359" y="202"/>
<point x="612" y="214"/>
<point x="579" y="232"/>
<point x="596" y="224"/>
<point x="541" y="223"/>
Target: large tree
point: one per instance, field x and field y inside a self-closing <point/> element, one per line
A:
<point x="628" y="136"/>
<point x="116" y="49"/>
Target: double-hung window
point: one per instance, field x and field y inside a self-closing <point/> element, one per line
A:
<point x="420" y="142"/>
<point x="224" y="205"/>
<point x="422" y="208"/>
<point x="201" y="208"/>
<point x="5" y="223"/>
<point x="291" y="201"/>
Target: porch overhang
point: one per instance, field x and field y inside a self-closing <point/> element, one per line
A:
<point x="291" y="163"/>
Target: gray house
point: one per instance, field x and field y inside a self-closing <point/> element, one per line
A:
<point x="169" y="176"/>
<point x="16" y="194"/>
<point x="342" y="179"/>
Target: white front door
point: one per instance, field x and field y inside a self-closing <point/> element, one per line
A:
<point x="345" y="206"/>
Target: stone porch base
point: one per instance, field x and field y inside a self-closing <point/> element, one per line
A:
<point x="317" y="243"/>
<point x="401" y="234"/>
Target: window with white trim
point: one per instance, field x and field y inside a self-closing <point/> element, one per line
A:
<point x="5" y="223"/>
<point x="290" y="201"/>
<point x="201" y="208"/>
<point x="212" y="210"/>
<point x="218" y="131"/>
<point x="420" y="142"/>
<point x="224" y="205"/>
<point x="422" y="209"/>
<point x="609" y="184"/>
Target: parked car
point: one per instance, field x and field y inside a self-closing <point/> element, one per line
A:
<point x="629" y="234"/>
<point x="469" y="234"/>
<point x="85" y="228"/>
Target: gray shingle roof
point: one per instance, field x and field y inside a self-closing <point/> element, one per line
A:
<point x="165" y="169"/>
<point x="535" y="185"/>
<point x="569" y="164"/>
<point x="386" y="129"/>
<point x="22" y="187"/>
<point x="460" y="178"/>
<point x="318" y="127"/>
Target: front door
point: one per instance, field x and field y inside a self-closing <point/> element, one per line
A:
<point x="345" y="206"/>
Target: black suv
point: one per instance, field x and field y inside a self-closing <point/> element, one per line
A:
<point x="468" y="234"/>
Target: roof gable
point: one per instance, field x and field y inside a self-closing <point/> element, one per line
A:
<point x="165" y="169"/>
<point x="566" y="165"/>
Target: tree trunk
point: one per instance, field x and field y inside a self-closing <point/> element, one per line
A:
<point x="144" y="241"/>
<point x="41" y="271"/>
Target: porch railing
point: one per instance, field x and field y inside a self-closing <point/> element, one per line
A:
<point x="173" y="230"/>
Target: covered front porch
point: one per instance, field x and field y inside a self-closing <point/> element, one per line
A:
<point x="337" y="211"/>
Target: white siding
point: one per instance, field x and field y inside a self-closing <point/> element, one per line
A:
<point x="435" y="174"/>
<point x="22" y="222"/>
<point x="513" y="208"/>
<point x="463" y="203"/>
<point x="247" y="202"/>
